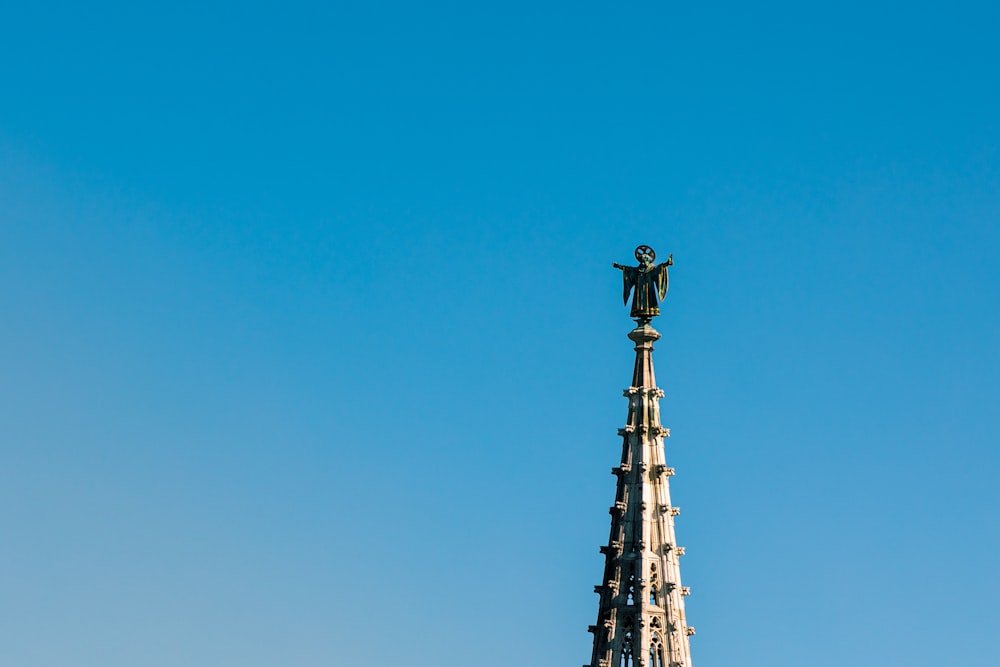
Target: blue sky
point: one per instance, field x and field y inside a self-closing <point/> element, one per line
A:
<point x="312" y="350"/>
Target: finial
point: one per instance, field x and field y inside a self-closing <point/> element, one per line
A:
<point x="647" y="283"/>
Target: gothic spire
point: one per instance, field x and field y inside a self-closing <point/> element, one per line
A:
<point x="640" y="620"/>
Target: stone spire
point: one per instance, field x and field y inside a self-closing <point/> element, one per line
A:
<point x="640" y="618"/>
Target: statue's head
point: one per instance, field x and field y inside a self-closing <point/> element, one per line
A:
<point x="646" y="256"/>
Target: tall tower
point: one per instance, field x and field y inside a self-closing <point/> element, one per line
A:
<point x="640" y="618"/>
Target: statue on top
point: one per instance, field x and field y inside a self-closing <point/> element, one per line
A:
<point x="647" y="282"/>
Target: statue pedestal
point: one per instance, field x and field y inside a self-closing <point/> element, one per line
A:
<point x="643" y="336"/>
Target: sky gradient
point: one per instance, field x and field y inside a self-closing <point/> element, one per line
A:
<point x="312" y="350"/>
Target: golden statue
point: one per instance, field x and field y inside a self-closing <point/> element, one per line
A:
<point x="647" y="282"/>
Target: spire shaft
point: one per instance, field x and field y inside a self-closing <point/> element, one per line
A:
<point x="641" y="620"/>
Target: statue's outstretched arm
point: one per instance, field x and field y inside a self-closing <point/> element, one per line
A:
<point x="616" y="265"/>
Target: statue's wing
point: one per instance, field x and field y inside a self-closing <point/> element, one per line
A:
<point x="662" y="281"/>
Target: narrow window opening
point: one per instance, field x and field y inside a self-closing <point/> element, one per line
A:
<point x="627" y="650"/>
<point x="627" y="628"/>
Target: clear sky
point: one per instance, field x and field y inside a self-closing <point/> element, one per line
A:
<point x="311" y="349"/>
